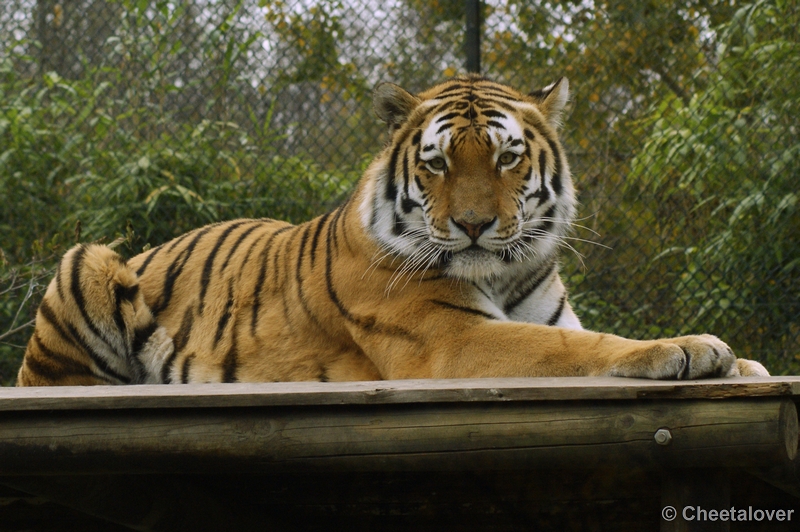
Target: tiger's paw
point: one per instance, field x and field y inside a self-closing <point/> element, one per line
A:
<point x="681" y="358"/>
<point x="747" y="368"/>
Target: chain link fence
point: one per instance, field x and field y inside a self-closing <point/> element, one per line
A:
<point x="147" y="118"/>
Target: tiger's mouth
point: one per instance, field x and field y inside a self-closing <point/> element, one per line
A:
<point x="474" y="263"/>
<point x="476" y="252"/>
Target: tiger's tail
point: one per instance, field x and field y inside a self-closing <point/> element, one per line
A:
<point x="93" y="326"/>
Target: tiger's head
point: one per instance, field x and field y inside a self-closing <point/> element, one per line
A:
<point x="474" y="180"/>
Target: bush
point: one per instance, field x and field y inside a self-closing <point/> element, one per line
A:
<point x="103" y="155"/>
<point x="733" y="236"/>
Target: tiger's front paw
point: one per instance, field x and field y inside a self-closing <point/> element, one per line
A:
<point x="705" y="356"/>
<point x="747" y="368"/>
<point x="682" y="358"/>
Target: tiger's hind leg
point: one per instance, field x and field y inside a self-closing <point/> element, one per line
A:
<point x="93" y="326"/>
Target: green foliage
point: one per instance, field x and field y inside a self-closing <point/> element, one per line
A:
<point x="112" y="152"/>
<point x="725" y="166"/>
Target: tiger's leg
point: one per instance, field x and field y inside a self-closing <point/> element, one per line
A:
<point x="475" y="346"/>
<point x="505" y="349"/>
<point x="93" y="326"/>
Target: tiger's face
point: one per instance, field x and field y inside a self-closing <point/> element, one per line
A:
<point x="474" y="181"/>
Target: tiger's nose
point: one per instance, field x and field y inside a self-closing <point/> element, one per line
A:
<point x="474" y="229"/>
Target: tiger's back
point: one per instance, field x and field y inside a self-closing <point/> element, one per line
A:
<point x="241" y="300"/>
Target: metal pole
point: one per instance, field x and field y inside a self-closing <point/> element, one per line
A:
<point x="472" y="42"/>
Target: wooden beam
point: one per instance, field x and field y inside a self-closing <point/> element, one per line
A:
<point x="403" y="436"/>
<point x="389" y="392"/>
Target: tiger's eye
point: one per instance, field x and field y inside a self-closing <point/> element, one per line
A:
<point x="507" y="158"/>
<point x="437" y="163"/>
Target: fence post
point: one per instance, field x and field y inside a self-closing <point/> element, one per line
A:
<point x="472" y="42"/>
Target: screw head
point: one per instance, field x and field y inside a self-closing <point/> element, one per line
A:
<point x="663" y="437"/>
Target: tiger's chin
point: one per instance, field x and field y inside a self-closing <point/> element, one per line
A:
<point x="474" y="264"/>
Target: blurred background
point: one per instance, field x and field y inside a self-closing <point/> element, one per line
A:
<point x="144" y="119"/>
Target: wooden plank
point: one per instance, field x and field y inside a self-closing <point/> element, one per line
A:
<point x="389" y="392"/>
<point x="511" y="435"/>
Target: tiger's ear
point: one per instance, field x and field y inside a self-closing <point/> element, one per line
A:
<point x="551" y="100"/>
<point x="393" y="104"/>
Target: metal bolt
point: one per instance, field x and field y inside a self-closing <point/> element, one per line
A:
<point x="663" y="437"/>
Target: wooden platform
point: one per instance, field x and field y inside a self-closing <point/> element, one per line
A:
<point x="483" y="454"/>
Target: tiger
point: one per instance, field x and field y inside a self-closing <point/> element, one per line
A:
<point x="442" y="263"/>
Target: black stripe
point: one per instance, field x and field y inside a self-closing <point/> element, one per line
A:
<point x="500" y="103"/>
<point x="444" y="128"/>
<point x="493" y="113"/>
<point x="496" y="91"/>
<point x="187" y="362"/>
<point x="141" y="336"/>
<point x="557" y="314"/>
<point x="368" y="323"/>
<point x="348" y="204"/>
<point x="250" y="251"/>
<point x="175" y="243"/>
<point x="77" y="294"/>
<point x="174" y="271"/>
<point x="98" y="360"/>
<point x="168" y="366"/>
<point x="225" y="317"/>
<point x="542" y="164"/>
<point x="446" y="117"/>
<point x="123" y="293"/>
<point x="208" y="267"/>
<point x="298" y="273"/>
<point x="281" y="253"/>
<point x="230" y="365"/>
<point x="391" y="187"/>
<point x="58" y="279"/>
<point x="47" y="313"/>
<point x="528" y="289"/>
<point x="60" y="366"/>
<point x="459" y="308"/>
<point x="405" y="173"/>
<point x="496" y="124"/>
<point x="262" y="275"/>
<point x="238" y="242"/>
<point x="332" y="231"/>
<point x="556" y="181"/>
<point x="150" y="257"/>
<point x="452" y="88"/>
<point x="407" y="204"/>
<point x="315" y="240"/>
<point x="182" y="336"/>
<point x="302" y="251"/>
